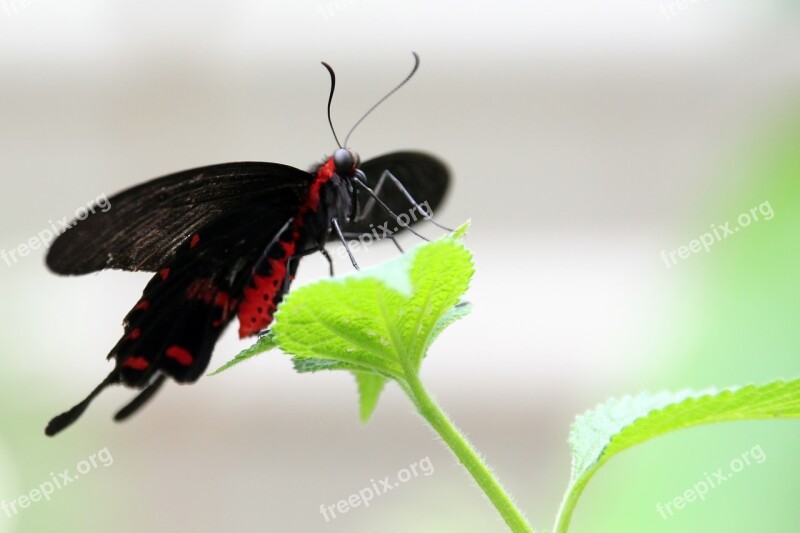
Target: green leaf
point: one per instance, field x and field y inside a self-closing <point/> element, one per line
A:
<point x="379" y="319"/>
<point x="440" y="273"/>
<point x="340" y="321"/>
<point x="306" y="365"/>
<point x="377" y="323"/>
<point x="457" y="312"/>
<point x="264" y="344"/>
<point x="369" y="390"/>
<point x="461" y="231"/>
<point x="617" y="425"/>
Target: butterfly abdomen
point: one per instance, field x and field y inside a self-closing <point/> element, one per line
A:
<point x="269" y="281"/>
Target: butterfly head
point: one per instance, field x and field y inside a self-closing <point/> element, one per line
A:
<point x="346" y="162"/>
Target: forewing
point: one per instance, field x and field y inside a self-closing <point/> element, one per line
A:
<point x="145" y="224"/>
<point x="425" y="177"/>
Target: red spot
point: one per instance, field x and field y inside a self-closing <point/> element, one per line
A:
<point x="181" y="355"/>
<point x="134" y="334"/>
<point x="195" y="240"/>
<point x="222" y="300"/>
<point x="136" y="363"/>
<point x="216" y="323"/>
<point x="207" y="292"/>
<point x="141" y="306"/>
<point x="164" y="273"/>
<point x="201" y="289"/>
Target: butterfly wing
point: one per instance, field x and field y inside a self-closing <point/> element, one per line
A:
<point x="425" y="177"/>
<point x="143" y="225"/>
<point x="188" y="303"/>
<point x="221" y="226"/>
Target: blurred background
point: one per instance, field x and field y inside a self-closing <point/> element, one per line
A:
<point x="586" y="140"/>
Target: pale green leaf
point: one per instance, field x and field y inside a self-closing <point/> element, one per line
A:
<point x="369" y="391"/>
<point x="264" y="344"/>
<point x="616" y="425"/>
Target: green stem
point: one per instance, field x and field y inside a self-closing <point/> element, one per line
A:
<point x="466" y="454"/>
<point x="570" y="501"/>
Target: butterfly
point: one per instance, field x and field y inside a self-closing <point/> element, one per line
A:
<point x="225" y="241"/>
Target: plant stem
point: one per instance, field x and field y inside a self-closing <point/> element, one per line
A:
<point x="571" y="500"/>
<point x="466" y="455"/>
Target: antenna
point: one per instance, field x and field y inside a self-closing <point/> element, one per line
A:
<point x="330" y="99"/>
<point x="379" y="102"/>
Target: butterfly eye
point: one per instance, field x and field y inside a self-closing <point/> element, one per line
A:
<point x="346" y="161"/>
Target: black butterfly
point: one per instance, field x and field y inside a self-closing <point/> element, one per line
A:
<point x="225" y="240"/>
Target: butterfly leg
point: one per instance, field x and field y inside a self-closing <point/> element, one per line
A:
<point x="318" y="248"/>
<point x="291" y="269"/>
<point x="353" y="215"/>
<point x="335" y="224"/>
<point x="327" y="256"/>
<point x="386" y="208"/>
<point x="389" y="177"/>
<point x="390" y="236"/>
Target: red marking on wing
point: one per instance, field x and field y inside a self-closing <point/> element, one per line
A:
<point x="222" y="300"/>
<point x="180" y="354"/>
<point x="135" y="362"/>
<point x="195" y="240"/>
<point x="202" y="289"/>
<point x="164" y="273"/>
<point x="134" y="334"/>
<point x="207" y="292"/>
<point x="141" y="306"/>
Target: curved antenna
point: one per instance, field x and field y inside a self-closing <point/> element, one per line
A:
<point x="330" y="99"/>
<point x="390" y="93"/>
